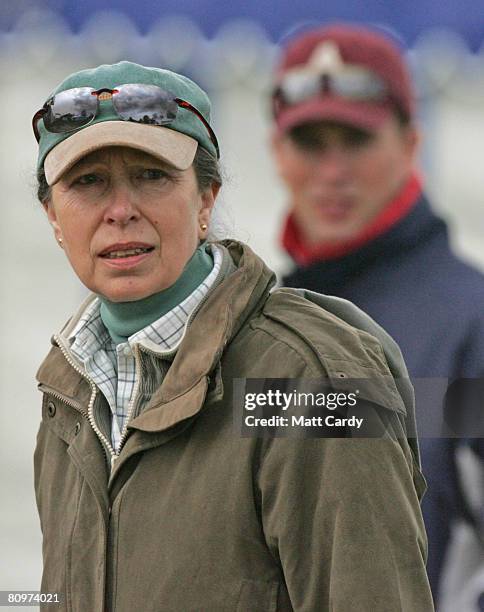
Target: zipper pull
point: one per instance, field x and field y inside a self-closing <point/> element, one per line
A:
<point x="113" y="459"/>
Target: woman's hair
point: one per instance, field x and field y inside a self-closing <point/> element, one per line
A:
<point x="207" y="169"/>
<point x="206" y="166"/>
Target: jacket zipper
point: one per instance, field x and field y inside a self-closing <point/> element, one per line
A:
<point x="107" y="448"/>
<point x="63" y="398"/>
<point x="124" y="433"/>
<point x="167" y="353"/>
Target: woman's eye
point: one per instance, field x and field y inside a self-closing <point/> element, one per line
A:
<point x="153" y="174"/>
<point x="87" y="179"/>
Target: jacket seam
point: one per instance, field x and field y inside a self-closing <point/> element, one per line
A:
<point x="113" y="554"/>
<point x="261" y="450"/>
<point x="69" y="551"/>
<point x="360" y="334"/>
<point x="181" y="394"/>
<point x="256" y="326"/>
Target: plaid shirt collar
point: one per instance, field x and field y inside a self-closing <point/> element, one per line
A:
<point x="163" y="335"/>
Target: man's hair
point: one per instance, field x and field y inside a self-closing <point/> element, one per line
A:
<point x="206" y="166"/>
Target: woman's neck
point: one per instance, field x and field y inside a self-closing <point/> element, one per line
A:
<point x="123" y="319"/>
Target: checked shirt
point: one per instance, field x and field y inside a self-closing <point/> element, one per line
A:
<point x="112" y="367"/>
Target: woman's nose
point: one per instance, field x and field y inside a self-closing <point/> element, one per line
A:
<point x="121" y="206"/>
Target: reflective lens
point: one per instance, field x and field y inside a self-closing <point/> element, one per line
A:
<point x="144" y="104"/>
<point x="358" y="86"/>
<point x="353" y="84"/>
<point x="300" y="86"/>
<point x="70" y="110"/>
<point x="75" y="108"/>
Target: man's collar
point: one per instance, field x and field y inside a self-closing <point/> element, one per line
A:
<point x="305" y="254"/>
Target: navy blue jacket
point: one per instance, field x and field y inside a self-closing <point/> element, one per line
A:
<point x="432" y="304"/>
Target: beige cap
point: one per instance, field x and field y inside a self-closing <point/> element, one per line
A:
<point x="169" y="145"/>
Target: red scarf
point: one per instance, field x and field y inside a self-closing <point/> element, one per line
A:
<point x="304" y="254"/>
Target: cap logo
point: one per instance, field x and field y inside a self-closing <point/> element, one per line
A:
<point x="326" y="58"/>
<point x="105" y="95"/>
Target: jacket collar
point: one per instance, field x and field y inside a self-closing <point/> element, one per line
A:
<point x="217" y="321"/>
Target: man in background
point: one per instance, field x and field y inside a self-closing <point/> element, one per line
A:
<point x="359" y="225"/>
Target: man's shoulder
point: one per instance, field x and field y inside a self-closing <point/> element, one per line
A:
<point x="466" y="278"/>
<point x="438" y="259"/>
<point x="456" y="287"/>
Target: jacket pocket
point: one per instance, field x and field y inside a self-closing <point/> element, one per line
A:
<point x="257" y="596"/>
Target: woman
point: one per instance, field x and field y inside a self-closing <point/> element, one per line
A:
<point x="149" y="499"/>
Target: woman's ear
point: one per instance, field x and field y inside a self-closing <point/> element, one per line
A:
<point x="52" y="217"/>
<point x="208" y="198"/>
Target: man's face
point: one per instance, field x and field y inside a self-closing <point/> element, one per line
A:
<point x="340" y="177"/>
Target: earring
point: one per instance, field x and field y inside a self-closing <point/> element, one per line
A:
<point x="203" y="226"/>
<point x="59" y="240"/>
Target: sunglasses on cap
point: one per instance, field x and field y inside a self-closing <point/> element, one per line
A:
<point x="75" y="108"/>
<point x="351" y="83"/>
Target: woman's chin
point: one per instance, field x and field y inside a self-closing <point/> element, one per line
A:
<point x="127" y="294"/>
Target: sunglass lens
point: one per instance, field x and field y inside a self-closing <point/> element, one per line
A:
<point x="145" y="104"/>
<point x="358" y="86"/>
<point x="300" y="86"/>
<point x="70" y="110"/>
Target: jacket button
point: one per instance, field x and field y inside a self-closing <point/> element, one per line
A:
<point x="51" y="409"/>
<point x="77" y="428"/>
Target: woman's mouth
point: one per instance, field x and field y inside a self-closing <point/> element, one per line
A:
<point x="128" y="255"/>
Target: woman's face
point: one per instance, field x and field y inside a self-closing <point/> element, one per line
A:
<point x="128" y="221"/>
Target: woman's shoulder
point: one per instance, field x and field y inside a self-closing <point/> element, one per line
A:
<point x="299" y="334"/>
<point x="346" y="340"/>
<point x="314" y="338"/>
<point x="302" y="334"/>
<point x="316" y="324"/>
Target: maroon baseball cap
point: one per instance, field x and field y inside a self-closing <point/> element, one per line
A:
<point x="342" y="73"/>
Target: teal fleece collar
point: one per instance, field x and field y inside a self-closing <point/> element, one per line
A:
<point x="123" y="319"/>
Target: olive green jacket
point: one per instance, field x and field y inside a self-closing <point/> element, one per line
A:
<point x="194" y="517"/>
